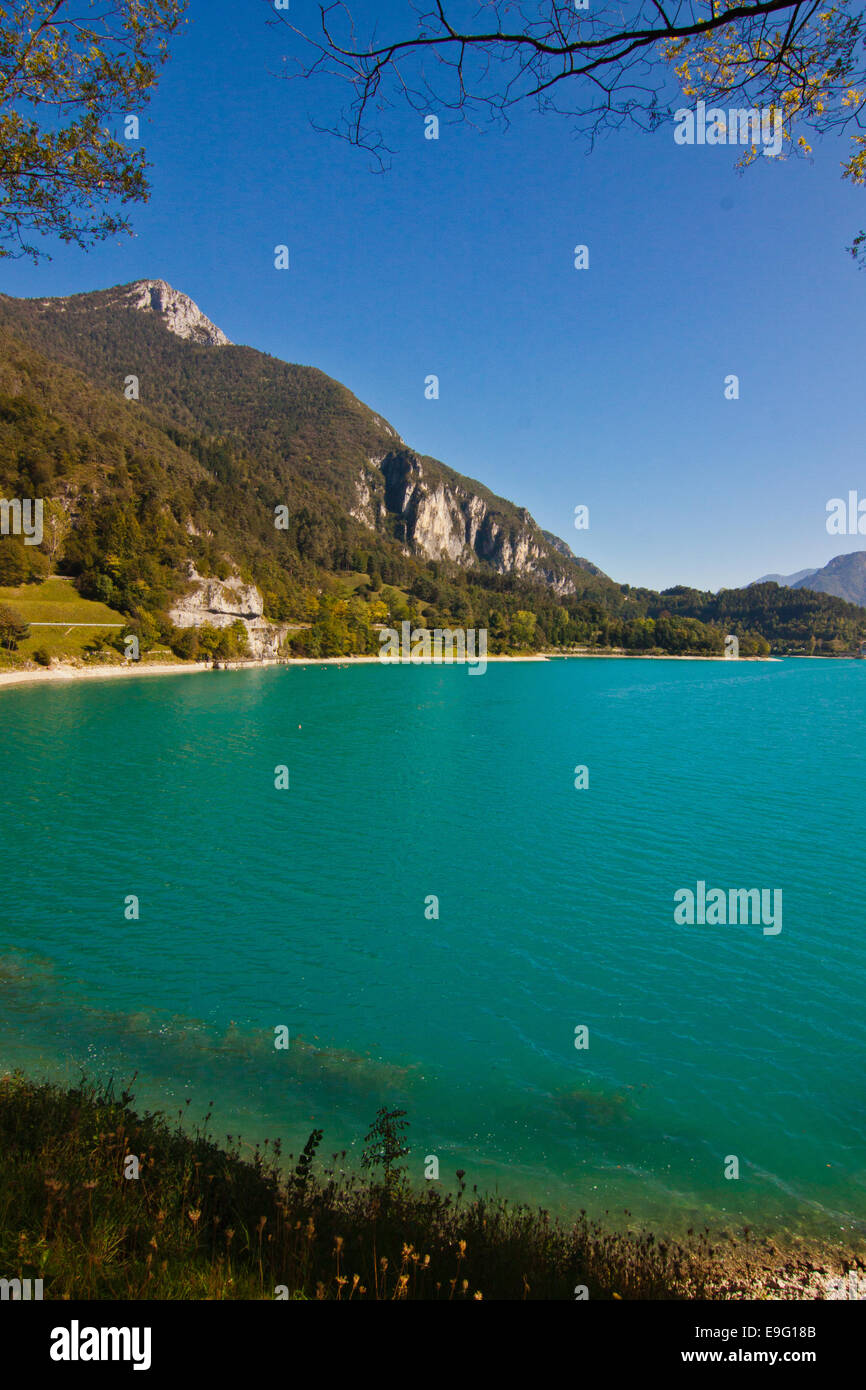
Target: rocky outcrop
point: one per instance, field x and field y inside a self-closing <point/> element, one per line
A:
<point x="221" y="602"/>
<point x="177" y="311"/>
<point x="440" y="519"/>
<point x="558" y="544"/>
<point x="369" y="507"/>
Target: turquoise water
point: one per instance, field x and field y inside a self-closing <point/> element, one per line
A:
<point x="306" y="907"/>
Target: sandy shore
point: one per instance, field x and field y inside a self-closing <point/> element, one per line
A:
<point x="46" y="675"/>
<point x="64" y="672"/>
<point x="67" y="672"/>
<point x="646" y="656"/>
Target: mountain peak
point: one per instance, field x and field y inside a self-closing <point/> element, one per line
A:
<point x="178" y="312"/>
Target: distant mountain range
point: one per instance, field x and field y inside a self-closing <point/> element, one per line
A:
<point x="844" y="576"/>
<point x="789" y="580"/>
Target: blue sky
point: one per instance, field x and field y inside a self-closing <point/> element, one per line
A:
<point x="558" y="387"/>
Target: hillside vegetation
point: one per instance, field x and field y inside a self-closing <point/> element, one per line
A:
<point x="191" y="473"/>
<point x="202" y="1221"/>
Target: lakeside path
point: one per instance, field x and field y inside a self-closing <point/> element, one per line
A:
<point x="38" y="675"/>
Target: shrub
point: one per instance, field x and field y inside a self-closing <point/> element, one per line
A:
<point x="205" y="1222"/>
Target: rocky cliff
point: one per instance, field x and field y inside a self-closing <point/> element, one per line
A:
<point x="437" y="515"/>
<point x="177" y="311"/>
<point x="221" y="602"/>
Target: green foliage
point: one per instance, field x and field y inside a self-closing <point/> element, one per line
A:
<point x="522" y="629"/>
<point x="186" y="644"/>
<point x="64" y="76"/>
<point x="304" y="1167"/>
<point x="14" y="561"/>
<point x="383" y="1144"/>
<point x="771" y="617"/>
<point x="12" y="628"/>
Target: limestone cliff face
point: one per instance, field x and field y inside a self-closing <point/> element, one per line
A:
<point x="440" y="519"/>
<point x="369" y="506"/>
<point x="220" y="603"/>
<point x="177" y="311"/>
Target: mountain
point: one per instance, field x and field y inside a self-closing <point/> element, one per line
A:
<point x="223" y="499"/>
<point x="174" y="310"/>
<point x="297" y="423"/>
<point x="789" y="580"/>
<point x="169" y="449"/>
<point x="844" y="576"/>
<point x="563" y="549"/>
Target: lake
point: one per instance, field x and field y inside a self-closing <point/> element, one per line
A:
<point x="418" y="790"/>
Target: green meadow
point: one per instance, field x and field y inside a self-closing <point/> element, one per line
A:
<point x="57" y="602"/>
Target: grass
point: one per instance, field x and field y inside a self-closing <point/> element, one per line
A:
<point x="203" y="1222"/>
<point x="56" y="600"/>
<point x="352" y="581"/>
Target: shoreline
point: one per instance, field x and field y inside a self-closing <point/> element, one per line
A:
<point x="66" y="671"/>
<point x="717" y="1264"/>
